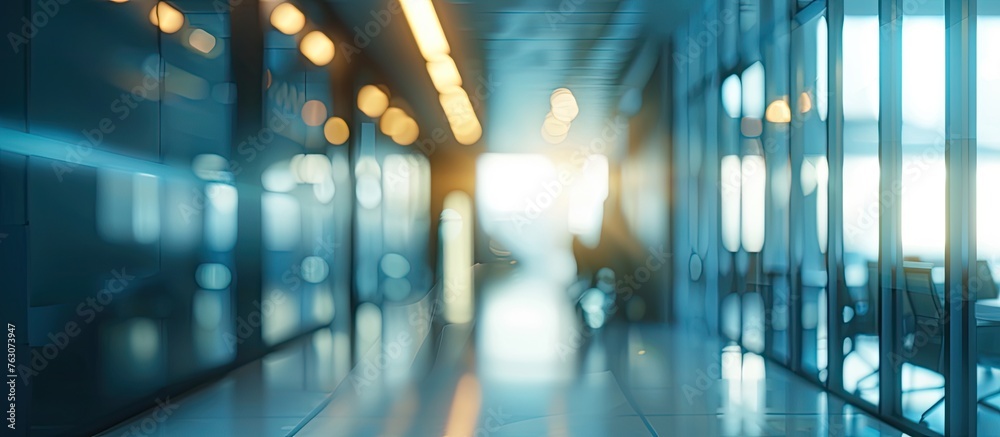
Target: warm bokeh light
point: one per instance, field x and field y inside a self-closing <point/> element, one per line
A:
<point x="391" y="121"/>
<point x="555" y="127"/>
<point x="467" y="130"/>
<point x="553" y="139"/>
<point x="433" y="45"/>
<point x="564" y="106"/>
<point x="456" y="263"/>
<point x="317" y="47"/>
<point x="805" y="102"/>
<point x="461" y="116"/>
<point x="372" y="101"/>
<point x="314" y="113"/>
<point x="288" y="19"/>
<point x="779" y="112"/>
<point x="444" y="73"/>
<point x="407" y="132"/>
<point x="426" y="28"/>
<point x="201" y="41"/>
<point x="336" y="131"/>
<point x="166" y="17"/>
<point x="465" y="408"/>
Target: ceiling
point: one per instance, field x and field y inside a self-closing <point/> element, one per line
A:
<point x="513" y="53"/>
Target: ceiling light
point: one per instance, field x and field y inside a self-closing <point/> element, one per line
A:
<point x="391" y="121"/>
<point x="166" y="17"/>
<point x="407" y="132"/>
<point x="372" y="101"/>
<point x="555" y="127"/>
<point x="444" y="73"/>
<point x="426" y="28"/>
<point x="317" y="48"/>
<point x="336" y="131"/>
<point x="461" y="116"/>
<point x="288" y="19"/>
<point x="564" y="106"/>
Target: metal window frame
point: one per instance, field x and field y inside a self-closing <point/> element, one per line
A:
<point x="960" y="218"/>
<point x="890" y="264"/>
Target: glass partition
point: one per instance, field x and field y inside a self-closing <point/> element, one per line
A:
<point x="984" y="274"/>
<point x="860" y="189"/>
<point x="809" y="194"/>
<point x="923" y="215"/>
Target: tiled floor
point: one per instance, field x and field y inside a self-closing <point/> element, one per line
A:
<point x="628" y="381"/>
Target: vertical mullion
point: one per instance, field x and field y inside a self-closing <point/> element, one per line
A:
<point x="960" y="254"/>
<point x="890" y="126"/>
<point x="247" y="51"/>
<point x="835" y="160"/>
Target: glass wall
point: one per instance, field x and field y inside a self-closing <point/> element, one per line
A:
<point x="843" y="108"/>
<point x="860" y="212"/>
<point x="923" y="214"/>
<point x="809" y="197"/>
<point x="987" y="268"/>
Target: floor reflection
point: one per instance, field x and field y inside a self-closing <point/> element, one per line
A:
<point x="626" y="380"/>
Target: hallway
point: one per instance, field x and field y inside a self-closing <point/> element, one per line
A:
<point x="625" y="381"/>
<point x="500" y="217"/>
